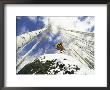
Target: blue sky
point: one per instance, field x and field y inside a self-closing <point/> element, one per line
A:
<point x="26" y="24"/>
<point x="29" y="23"/>
<point x="82" y="18"/>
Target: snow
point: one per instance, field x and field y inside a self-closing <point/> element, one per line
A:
<point x="84" y="70"/>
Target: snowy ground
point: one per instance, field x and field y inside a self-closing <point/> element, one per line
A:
<point x="69" y="62"/>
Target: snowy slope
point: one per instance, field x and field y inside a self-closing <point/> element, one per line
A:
<point x="70" y="64"/>
<point x="68" y="60"/>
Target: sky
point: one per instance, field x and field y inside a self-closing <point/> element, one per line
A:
<point x="26" y="24"/>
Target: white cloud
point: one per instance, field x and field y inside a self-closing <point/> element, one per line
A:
<point x="24" y="29"/>
<point x="69" y="23"/>
<point x="33" y="18"/>
<point x="18" y="17"/>
<point x="85" y="25"/>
